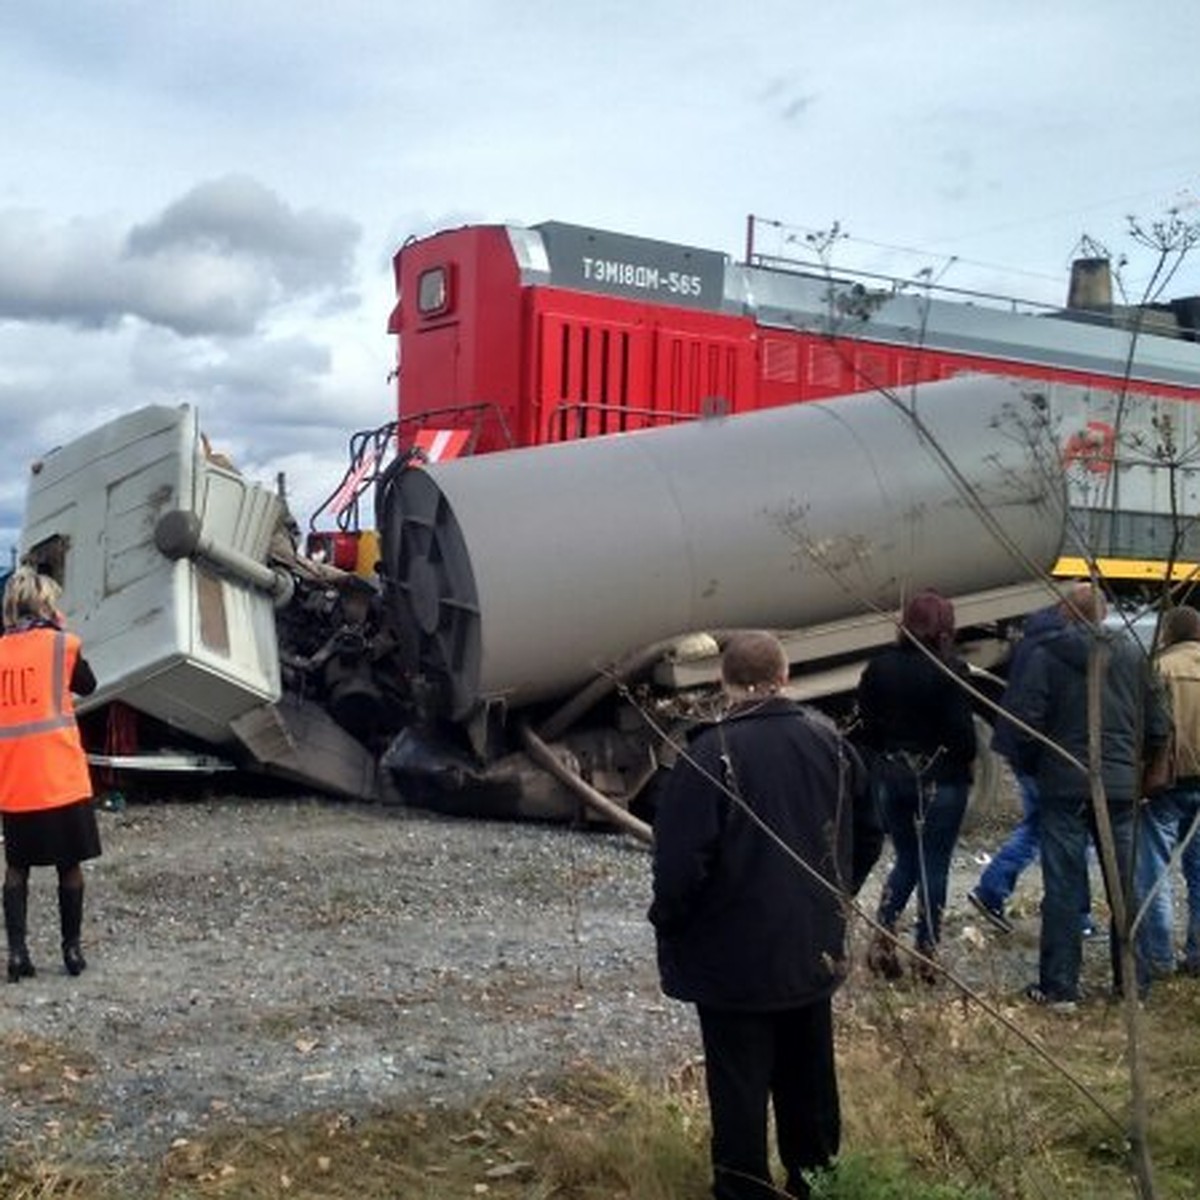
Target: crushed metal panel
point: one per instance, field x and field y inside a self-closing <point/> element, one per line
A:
<point x="300" y="741"/>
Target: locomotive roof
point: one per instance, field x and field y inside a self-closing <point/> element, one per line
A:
<point x="1150" y="344"/>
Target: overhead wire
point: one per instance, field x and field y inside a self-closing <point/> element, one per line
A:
<point x="1184" y="195"/>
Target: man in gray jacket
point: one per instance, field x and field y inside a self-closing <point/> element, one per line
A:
<point x="1134" y="723"/>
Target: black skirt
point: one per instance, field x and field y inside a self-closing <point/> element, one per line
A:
<point x="52" y="837"/>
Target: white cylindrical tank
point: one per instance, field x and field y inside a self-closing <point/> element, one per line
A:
<point x="518" y="576"/>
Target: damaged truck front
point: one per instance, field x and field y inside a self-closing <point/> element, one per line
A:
<point x="542" y="623"/>
<point x="196" y="623"/>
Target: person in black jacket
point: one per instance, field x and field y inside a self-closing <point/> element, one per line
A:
<point x="1134" y="722"/>
<point x="761" y="834"/>
<point x="918" y="724"/>
<point x="998" y="880"/>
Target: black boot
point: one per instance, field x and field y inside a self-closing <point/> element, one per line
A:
<point x="16" y="896"/>
<point x="70" y="915"/>
<point x="883" y="958"/>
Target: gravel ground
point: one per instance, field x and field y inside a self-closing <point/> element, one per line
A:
<point x="253" y="960"/>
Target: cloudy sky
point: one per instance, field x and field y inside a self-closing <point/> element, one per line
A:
<point x="199" y="201"/>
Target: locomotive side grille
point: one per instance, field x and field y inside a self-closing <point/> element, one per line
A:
<point x="824" y="367"/>
<point x="593" y="383"/>
<point x="781" y="360"/>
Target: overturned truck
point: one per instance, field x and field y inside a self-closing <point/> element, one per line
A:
<point x="542" y="623"/>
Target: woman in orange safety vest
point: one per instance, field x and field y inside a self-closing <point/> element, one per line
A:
<point x="45" y="790"/>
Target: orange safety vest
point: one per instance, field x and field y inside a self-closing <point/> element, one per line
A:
<point x="42" y="764"/>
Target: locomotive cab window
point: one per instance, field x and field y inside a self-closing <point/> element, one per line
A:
<point x="433" y="292"/>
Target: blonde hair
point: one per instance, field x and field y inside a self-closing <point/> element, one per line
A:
<point x="28" y="593"/>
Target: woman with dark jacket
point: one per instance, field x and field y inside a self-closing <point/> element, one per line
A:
<point x="918" y="726"/>
<point x="45" y="789"/>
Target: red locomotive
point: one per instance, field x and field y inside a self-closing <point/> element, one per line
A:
<point x="512" y="336"/>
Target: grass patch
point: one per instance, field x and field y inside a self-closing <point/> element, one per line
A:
<point x="940" y="1102"/>
<point x="941" y="1085"/>
<point x="595" y="1137"/>
<point x="34" y="1066"/>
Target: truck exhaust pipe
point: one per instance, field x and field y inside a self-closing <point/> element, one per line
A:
<point x="179" y="534"/>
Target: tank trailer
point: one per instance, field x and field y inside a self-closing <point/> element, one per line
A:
<point x="544" y="623"/>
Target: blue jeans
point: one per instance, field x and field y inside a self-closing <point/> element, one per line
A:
<point x="1066" y="824"/>
<point x="923" y="820"/>
<point x="1163" y="823"/>
<point x="999" y="878"/>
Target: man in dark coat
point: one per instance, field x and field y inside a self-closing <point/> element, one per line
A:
<point x="1052" y="699"/>
<point x="999" y="878"/>
<point x="764" y="828"/>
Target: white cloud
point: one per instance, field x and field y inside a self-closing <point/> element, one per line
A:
<point x="216" y="261"/>
<point x="236" y="217"/>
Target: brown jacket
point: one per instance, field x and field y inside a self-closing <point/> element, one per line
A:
<point x="1179" y="667"/>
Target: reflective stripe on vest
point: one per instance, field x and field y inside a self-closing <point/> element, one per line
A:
<point x="60" y="710"/>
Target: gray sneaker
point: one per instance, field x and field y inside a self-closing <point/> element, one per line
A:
<point x="994" y="915"/>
